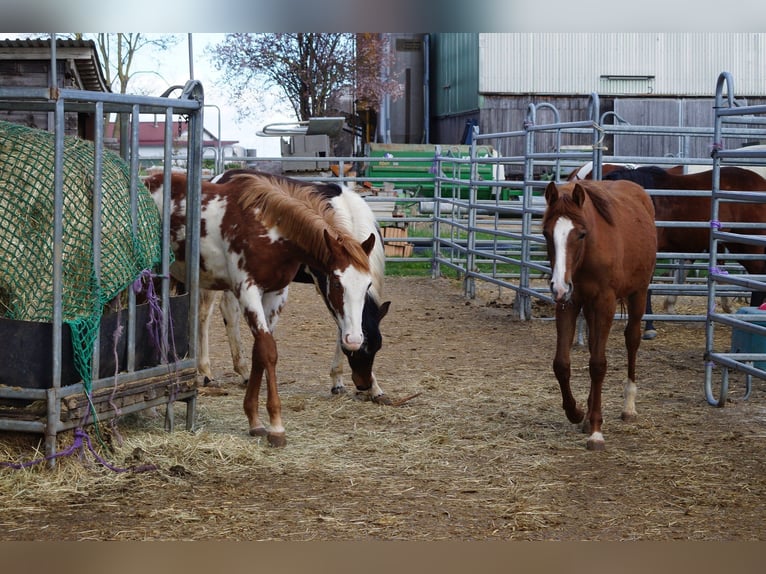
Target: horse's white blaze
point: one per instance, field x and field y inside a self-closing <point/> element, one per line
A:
<point x="355" y="215"/>
<point x="559" y="284"/>
<point x="355" y="285"/>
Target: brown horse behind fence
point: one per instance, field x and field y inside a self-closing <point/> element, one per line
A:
<point x="601" y="243"/>
<point x="684" y="239"/>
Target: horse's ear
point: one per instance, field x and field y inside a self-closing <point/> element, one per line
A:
<point x="383" y="310"/>
<point x="328" y="239"/>
<point x="551" y="193"/>
<point x="578" y="194"/>
<point x="369" y="243"/>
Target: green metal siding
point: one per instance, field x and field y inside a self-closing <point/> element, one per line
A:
<point x="454" y="72"/>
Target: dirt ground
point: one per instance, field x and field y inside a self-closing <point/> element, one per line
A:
<point x="483" y="453"/>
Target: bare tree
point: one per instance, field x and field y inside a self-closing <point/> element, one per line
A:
<point x="307" y="68"/>
<point x="118" y="52"/>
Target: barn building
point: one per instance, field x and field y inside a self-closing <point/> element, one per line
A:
<point x="490" y="79"/>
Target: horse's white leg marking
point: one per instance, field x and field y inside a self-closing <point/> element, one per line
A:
<point x="596" y="441"/>
<point x="231" y="314"/>
<point x="252" y="306"/>
<point x="559" y="286"/>
<point x="273" y="303"/>
<point x="629" y="405"/>
<point x="206" y="306"/>
<point x="375" y="390"/>
<point x="336" y="370"/>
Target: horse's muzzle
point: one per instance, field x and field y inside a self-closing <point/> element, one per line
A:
<point x="562" y="295"/>
<point x="351" y="343"/>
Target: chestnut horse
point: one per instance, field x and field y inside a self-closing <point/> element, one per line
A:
<point x="601" y="243"/>
<point x="255" y="234"/>
<point x="684" y="239"/>
<point x="358" y="219"/>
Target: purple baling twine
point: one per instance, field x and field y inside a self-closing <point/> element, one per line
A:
<point x="117" y="410"/>
<point x="715" y="146"/>
<point x="155" y="322"/>
<point x="81" y="441"/>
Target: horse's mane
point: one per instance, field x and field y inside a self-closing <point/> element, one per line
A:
<point x="601" y="202"/>
<point x="565" y="204"/>
<point x="300" y="212"/>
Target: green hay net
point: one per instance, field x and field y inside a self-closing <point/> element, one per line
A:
<point x="26" y="234"/>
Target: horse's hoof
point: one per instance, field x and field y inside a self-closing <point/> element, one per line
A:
<point x="629" y="417"/>
<point x="382" y="400"/>
<point x="596" y="442"/>
<point x="338" y="390"/>
<point x="277" y="440"/>
<point x="258" y="431"/>
<point x="575" y="417"/>
<point x="649" y="335"/>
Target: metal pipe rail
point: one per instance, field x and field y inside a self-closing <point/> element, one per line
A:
<point x="162" y="380"/>
<point x="740" y="360"/>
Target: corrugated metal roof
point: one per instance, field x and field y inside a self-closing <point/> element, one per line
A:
<point x="82" y="53"/>
<point x="685" y="64"/>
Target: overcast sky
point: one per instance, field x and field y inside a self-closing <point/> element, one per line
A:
<point x="168" y="68"/>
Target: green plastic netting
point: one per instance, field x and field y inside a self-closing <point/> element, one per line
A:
<point x="26" y="234"/>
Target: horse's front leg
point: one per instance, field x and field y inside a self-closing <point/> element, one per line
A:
<point x="336" y="370"/>
<point x="206" y="305"/>
<point x="264" y="360"/>
<point x="566" y="321"/>
<point x="230" y="312"/>
<point x="599" y="325"/>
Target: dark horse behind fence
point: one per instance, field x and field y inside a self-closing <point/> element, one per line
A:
<point x="601" y="243"/>
<point x="684" y="239"/>
<point x="359" y="221"/>
<point x="255" y="234"/>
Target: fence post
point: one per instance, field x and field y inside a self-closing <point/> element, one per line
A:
<point x="470" y="281"/>
<point x="436" y="249"/>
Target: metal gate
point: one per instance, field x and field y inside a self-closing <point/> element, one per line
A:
<point x="56" y="404"/>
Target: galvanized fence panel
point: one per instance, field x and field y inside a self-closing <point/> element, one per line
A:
<point x="746" y="330"/>
<point x="141" y="387"/>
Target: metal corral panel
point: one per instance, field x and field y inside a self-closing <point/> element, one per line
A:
<point x="677" y="64"/>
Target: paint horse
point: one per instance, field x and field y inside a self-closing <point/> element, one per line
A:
<point x="358" y="219"/>
<point x="601" y="243"/>
<point x="684" y="239"/>
<point x="255" y="234"/>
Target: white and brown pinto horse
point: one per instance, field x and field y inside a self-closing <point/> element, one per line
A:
<point x="601" y="243"/>
<point x="356" y="217"/>
<point x="255" y="234"/>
